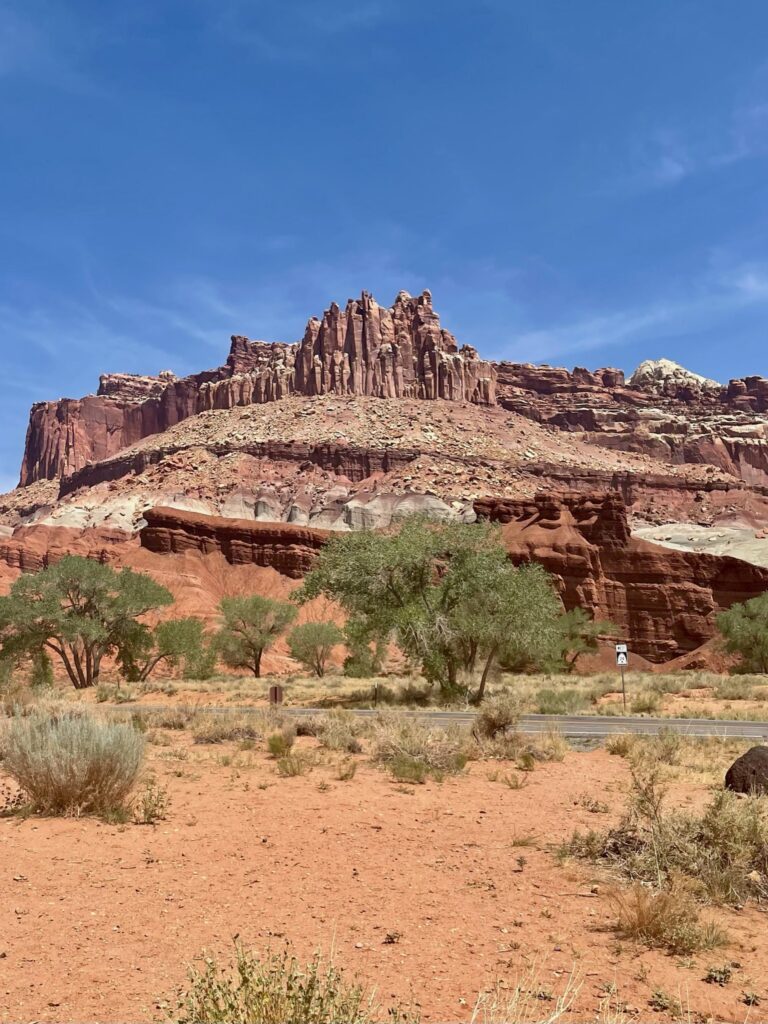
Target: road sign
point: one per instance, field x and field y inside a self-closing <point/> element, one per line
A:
<point x="622" y="661"/>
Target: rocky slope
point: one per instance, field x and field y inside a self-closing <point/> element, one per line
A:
<point x="377" y="412"/>
<point x="364" y="349"/>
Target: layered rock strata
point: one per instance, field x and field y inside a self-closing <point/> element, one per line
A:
<point x="663" y="602"/>
<point x="365" y="349"/>
<point x="282" y="546"/>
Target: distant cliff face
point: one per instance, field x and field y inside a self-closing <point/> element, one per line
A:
<point x="365" y="349"/>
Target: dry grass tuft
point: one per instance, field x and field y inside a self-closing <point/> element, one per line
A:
<point x="668" y="918"/>
<point x="409" y="746"/>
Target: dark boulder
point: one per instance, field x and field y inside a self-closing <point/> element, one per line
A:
<point x="749" y="773"/>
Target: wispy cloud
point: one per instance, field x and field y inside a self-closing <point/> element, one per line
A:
<point x="278" y="31"/>
<point x="719" y="296"/>
<point x="669" y="155"/>
<point x="44" y="43"/>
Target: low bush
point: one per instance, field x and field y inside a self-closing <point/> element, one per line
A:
<point x="560" y="702"/>
<point x="668" y="918"/>
<point x="279" y="743"/>
<point x="70" y="762"/>
<point x="405" y="741"/>
<point x="406" y="768"/>
<point x="498" y="716"/>
<point x="620" y="744"/>
<point x="277" y="989"/>
<point x="219" y="728"/>
<point x="723" y="851"/>
<point x="734" y="688"/>
<point x="647" y="703"/>
<point x="171" y="718"/>
<point x="292" y="765"/>
<point x="339" y="730"/>
<point x="152" y="804"/>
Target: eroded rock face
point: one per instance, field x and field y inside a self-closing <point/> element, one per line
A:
<point x="749" y="773"/>
<point x="365" y="349"/>
<point x="664" y="411"/>
<point x="288" y="548"/>
<point x="663" y="601"/>
<point x="665" y="377"/>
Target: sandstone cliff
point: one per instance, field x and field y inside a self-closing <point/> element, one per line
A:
<point x="364" y="349"/>
<point x="664" y="602"/>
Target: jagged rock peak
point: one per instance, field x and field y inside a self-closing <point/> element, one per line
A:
<point x="666" y="377"/>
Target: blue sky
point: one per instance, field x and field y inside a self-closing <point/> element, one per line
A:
<point x="578" y="183"/>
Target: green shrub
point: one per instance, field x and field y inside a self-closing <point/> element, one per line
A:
<point x="152" y="804"/>
<point x="276" y="990"/>
<point x="620" y="744"/>
<point x="69" y="762"/>
<point x="560" y="702"/>
<point x="647" y="703"/>
<point x="279" y="743"/>
<point x="406" y="768"/>
<point x="722" y="851"/>
<point x="339" y="730"/>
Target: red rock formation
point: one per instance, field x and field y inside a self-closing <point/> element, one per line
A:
<point x="32" y="548"/>
<point x="663" y="601"/>
<point x="282" y="546"/>
<point x="363" y="350"/>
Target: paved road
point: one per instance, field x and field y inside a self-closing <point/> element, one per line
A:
<point x="573" y="726"/>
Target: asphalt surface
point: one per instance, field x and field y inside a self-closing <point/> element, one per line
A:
<point x="573" y="726"/>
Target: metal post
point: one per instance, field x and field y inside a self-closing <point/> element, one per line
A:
<point x="623" y="689"/>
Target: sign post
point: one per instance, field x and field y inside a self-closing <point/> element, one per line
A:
<point x="622" y="660"/>
<point x="275" y="695"/>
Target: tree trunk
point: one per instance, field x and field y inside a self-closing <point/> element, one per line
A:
<point x="486" y="671"/>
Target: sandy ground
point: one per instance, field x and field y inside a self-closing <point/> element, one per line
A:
<point x="97" y="922"/>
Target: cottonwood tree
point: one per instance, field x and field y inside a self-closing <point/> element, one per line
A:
<point x="78" y="609"/>
<point x="249" y="625"/>
<point x="171" y="642"/>
<point x="580" y="635"/>
<point x="311" y="644"/>
<point x="744" y="628"/>
<point x="446" y="592"/>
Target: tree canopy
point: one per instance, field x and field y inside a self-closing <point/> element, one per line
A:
<point x="249" y="625"/>
<point x="446" y="592"/>
<point x="311" y="644"/>
<point x="744" y="628"/>
<point x="142" y="649"/>
<point x="78" y="609"/>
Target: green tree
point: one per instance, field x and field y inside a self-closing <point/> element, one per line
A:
<point x="78" y="609"/>
<point x="744" y="628"/>
<point x="446" y="592"/>
<point x="142" y="649"/>
<point x="580" y="635"/>
<point x="249" y="626"/>
<point x="366" y="653"/>
<point x="311" y="644"/>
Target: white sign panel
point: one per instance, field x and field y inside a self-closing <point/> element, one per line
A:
<point x="621" y="648"/>
<point x="621" y="659"/>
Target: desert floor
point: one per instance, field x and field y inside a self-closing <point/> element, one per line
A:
<point x="431" y="892"/>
